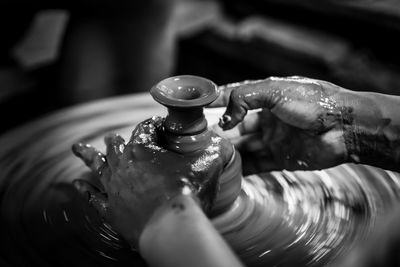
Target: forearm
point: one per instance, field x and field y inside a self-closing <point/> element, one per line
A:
<point x="179" y="234"/>
<point x="372" y="129"/>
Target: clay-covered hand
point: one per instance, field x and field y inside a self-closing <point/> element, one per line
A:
<point x="141" y="175"/>
<point x="300" y="124"/>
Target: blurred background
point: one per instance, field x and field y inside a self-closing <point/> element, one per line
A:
<point x="57" y="55"/>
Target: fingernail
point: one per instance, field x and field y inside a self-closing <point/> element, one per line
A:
<point x="110" y="138"/>
<point x="90" y="197"/>
<point x="77" y="184"/>
<point x="224" y="121"/>
<point x="77" y="149"/>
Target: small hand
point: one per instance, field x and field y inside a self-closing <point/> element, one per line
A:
<point x="141" y="175"/>
<point x="300" y="125"/>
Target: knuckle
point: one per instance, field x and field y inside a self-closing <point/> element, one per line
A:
<point x="113" y="139"/>
<point x="236" y="96"/>
<point x="222" y="88"/>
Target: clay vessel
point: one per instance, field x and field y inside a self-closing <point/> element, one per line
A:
<point x="186" y="131"/>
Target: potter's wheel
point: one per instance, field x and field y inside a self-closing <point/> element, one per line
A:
<point x="306" y="217"/>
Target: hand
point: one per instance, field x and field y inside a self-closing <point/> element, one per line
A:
<point x="141" y="175"/>
<point x="300" y="125"/>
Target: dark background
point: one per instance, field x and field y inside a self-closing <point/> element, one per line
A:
<point x="105" y="48"/>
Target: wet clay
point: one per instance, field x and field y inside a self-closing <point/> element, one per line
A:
<point x="186" y="132"/>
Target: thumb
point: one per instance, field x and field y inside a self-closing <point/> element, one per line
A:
<point x="96" y="198"/>
<point x="147" y="131"/>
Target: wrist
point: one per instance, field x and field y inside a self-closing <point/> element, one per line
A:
<point x="359" y="114"/>
<point x="180" y="234"/>
<point x="371" y="129"/>
<point x="174" y="206"/>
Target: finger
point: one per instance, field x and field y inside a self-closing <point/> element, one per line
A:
<point x="84" y="186"/>
<point x="251" y="124"/>
<point x="96" y="198"/>
<point x="249" y="143"/>
<point x="231" y="134"/>
<point x="225" y="92"/>
<point x="244" y="98"/>
<point x="147" y="131"/>
<point x="94" y="179"/>
<point x="115" y="148"/>
<point x="268" y="123"/>
<point x="93" y="158"/>
<point x="267" y="94"/>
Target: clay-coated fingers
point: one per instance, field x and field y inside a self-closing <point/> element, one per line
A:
<point x="96" y="198"/>
<point x="223" y="97"/>
<point x="249" y="143"/>
<point x="250" y="125"/>
<point x="115" y="148"/>
<point x="246" y="97"/>
<point x="225" y="92"/>
<point x="146" y="132"/>
<point x="267" y="94"/>
<point x="93" y="158"/>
